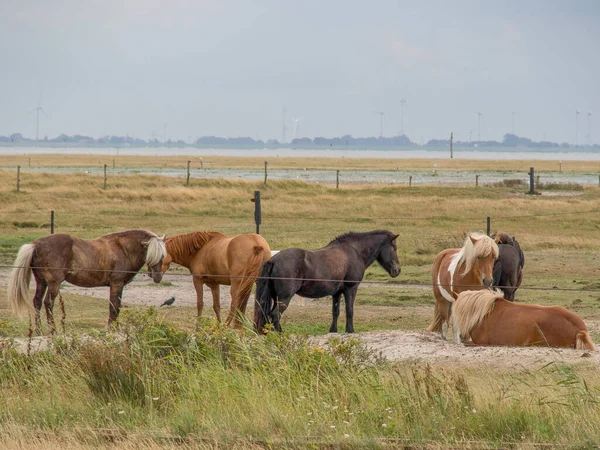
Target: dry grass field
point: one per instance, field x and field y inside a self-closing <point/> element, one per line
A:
<point x="218" y="388"/>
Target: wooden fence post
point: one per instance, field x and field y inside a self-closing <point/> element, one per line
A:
<point x="113" y="163"/>
<point x="257" y="212"/>
<point x="187" y="183"/>
<point x="29" y="162"/>
<point x="52" y="222"/>
<point x="18" y="178"/>
<point x="476" y="180"/>
<point x="265" y="173"/>
<point x="531" y="181"/>
<point x="410" y="181"/>
<point x="104" y="176"/>
<point x="489" y="225"/>
<point x="201" y="163"/>
<point x="337" y="179"/>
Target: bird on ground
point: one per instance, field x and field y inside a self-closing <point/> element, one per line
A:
<point x="168" y="302"/>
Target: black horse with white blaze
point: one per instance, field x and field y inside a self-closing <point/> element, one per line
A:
<point x="336" y="269"/>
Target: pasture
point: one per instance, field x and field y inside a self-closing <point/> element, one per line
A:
<point x="177" y="380"/>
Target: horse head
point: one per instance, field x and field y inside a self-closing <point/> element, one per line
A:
<point x="155" y="256"/>
<point x="482" y="253"/>
<point x="388" y="256"/>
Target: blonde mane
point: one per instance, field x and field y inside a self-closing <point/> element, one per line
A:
<point x="470" y="308"/>
<point x="157" y="250"/>
<point x="483" y="247"/>
<point x="184" y="245"/>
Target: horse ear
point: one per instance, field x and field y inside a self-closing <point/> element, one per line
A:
<point x="394" y="237"/>
<point x="473" y="240"/>
<point x="163" y="238"/>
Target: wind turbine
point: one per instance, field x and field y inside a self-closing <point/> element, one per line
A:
<point x="295" y="128"/>
<point x="577" y="127"/>
<point x="479" y="126"/>
<point x="381" y="114"/>
<point x="588" y="136"/>
<point x="402" y="103"/>
<point x="37" y="110"/>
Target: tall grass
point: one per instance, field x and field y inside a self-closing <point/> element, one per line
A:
<point x="222" y="387"/>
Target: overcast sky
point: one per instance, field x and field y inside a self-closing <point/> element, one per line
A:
<point x="227" y="67"/>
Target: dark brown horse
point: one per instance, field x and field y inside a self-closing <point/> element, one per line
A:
<point x="111" y="260"/>
<point x="335" y="269"/>
<point x="488" y="319"/>
<point x="508" y="268"/>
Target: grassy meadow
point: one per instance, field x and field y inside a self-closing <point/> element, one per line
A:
<point x="168" y="379"/>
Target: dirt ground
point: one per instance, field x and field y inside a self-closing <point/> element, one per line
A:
<point x="394" y="345"/>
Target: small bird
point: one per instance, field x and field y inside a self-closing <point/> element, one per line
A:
<point x="168" y="302"/>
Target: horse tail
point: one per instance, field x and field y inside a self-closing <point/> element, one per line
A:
<point x="265" y="296"/>
<point x="252" y="269"/>
<point x="583" y="341"/>
<point x="438" y="320"/>
<point x="18" y="283"/>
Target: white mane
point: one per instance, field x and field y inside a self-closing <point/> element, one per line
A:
<point x="483" y="247"/>
<point x="157" y="250"/>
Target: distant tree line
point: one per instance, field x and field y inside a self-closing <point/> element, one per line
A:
<point x="346" y="141"/>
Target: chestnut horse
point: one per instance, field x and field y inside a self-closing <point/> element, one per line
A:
<point x="488" y="319"/>
<point x="461" y="269"/>
<point x="111" y="260"/>
<point x="216" y="259"/>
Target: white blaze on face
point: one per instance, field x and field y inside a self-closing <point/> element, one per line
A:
<point x="451" y="270"/>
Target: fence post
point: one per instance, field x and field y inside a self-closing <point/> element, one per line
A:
<point x="257" y="216"/>
<point x="410" y="181"/>
<point x="113" y="163"/>
<point x="451" y="150"/>
<point x="104" y="176"/>
<point x="265" y="173"/>
<point x="337" y="179"/>
<point x="531" y="181"/>
<point x="29" y="162"/>
<point x="476" y="180"/>
<point x="187" y="183"/>
<point x="560" y="166"/>
<point x="489" y="225"/>
<point x="52" y="222"/>
<point x="18" y="178"/>
<point x="201" y="163"/>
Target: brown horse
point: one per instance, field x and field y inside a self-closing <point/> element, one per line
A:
<point x="216" y="259"/>
<point x="488" y="319"/>
<point x="461" y="269"/>
<point x="111" y="260"/>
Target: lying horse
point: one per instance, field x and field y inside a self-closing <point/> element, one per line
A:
<point x="488" y="319"/>
<point x="336" y="269"/>
<point x="216" y="259"/>
<point x="508" y="268"/>
<point x="460" y="269"/>
<point x="111" y="260"/>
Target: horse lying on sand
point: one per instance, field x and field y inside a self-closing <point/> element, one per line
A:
<point x="111" y="260"/>
<point x="460" y="269"/>
<point x="336" y="269"/>
<point x="488" y="319"/>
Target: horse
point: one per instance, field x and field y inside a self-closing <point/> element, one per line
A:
<point x="460" y="269"/>
<point x="488" y="319"/>
<point x="111" y="260"/>
<point x="508" y="268"/>
<point x="215" y="259"/>
<point x="336" y="269"/>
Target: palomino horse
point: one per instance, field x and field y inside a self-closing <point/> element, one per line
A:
<point x="488" y="319"/>
<point x="508" y="268"/>
<point x="335" y="269"/>
<point x="460" y="269"/>
<point x="111" y="260"/>
<point x="216" y="259"/>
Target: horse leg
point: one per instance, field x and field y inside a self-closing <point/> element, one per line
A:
<point x="199" y="286"/>
<point x="235" y="304"/>
<point x="349" y="296"/>
<point x="49" y="298"/>
<point x="335" y="312"/>
<point x="40" y="292"/>
<point x="216" y="295"/>
<point x="116" y="293"/>
<point x="445" y="312"/>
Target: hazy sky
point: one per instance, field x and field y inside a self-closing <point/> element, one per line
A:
<point x="227" y="68"/>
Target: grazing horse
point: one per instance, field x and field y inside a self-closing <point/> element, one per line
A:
<point x="216" y="259"/>
<point x="335" y="269"/>
<point x="508" y="268"/>
<point x="488" y="319"/>
<point x="111" y="260"/>
<point x="460" y="269"/>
